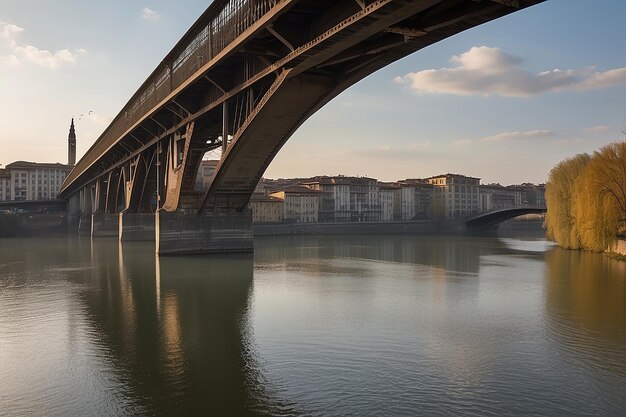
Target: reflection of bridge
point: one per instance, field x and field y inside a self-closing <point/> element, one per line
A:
<point x="491" y="218"/>
<point x="240" y="82"/>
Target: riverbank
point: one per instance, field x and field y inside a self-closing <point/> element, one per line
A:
<point x="374" y="228"/>
<point x="30" y="224"/>
<point x="618" y="250"/>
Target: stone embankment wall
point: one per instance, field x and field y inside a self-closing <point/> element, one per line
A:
<point x="31" y="224"/>
<point x="358" y="228"/>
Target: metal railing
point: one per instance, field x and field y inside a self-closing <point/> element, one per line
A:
<point x="219" y="25"/>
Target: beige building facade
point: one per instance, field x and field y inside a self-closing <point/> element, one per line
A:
<point x="348" y="199"/>
<point x="32" y="181"/>
<point x="455" y="196"/>
<point x="496" y="196"/>
<point x="414" y="200"/>
<point x="267" y="209"/>
<point x="301" y="204"/>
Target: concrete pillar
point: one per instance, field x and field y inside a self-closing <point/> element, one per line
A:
<point x="84" y="225"/>
<point x="186" y="233"/>
<point x="136" y="227"/>
<point x="104" y="225"/>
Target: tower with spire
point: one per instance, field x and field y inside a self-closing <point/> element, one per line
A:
<point x="71" y="146"/>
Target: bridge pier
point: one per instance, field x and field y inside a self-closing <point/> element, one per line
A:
<point x="104" y="225"/>
<point x="84" y="225"/>
<point x="187" y="233"/>
<point x="136" y="227"/>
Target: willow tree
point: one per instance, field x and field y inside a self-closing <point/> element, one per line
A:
<point x="606" y="176"/>
<point x="561" y="193"/>
<point x="595" y="217"/>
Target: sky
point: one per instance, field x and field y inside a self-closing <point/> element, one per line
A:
<point x="505" y="101"/>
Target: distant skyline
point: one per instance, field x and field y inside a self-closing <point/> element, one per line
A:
<point x="504" y="101"/>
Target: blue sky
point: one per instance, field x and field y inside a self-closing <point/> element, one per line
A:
<point x="504" y="101"/>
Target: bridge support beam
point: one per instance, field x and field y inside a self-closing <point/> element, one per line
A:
<point x="187" y="233"/>
<point x="104" y="225"/>
<point x="136" y="227"/>
<point x="84" y="225"/>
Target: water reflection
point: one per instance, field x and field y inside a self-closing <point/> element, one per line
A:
<point x="175" y="328"/>
<point x="585" y="297"/>
<point x="450" y="253"/>
<point x="361" y="325"/>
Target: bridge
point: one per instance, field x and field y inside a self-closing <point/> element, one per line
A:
<point x="491" y="218"/>
<point x="238" y="84"/>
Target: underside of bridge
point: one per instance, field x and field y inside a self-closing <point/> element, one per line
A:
<point x="234" y="89"/>
<point x="492" y="218"/>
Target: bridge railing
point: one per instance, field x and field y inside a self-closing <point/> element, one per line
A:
<point x="218" y="26"/>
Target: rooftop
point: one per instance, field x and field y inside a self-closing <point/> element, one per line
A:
<point x="451" y="175"/>
<point x="26" y="164"/>
<point x="265" y="198"/>
<point x="299" y="189"/>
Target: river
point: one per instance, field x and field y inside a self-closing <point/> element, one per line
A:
<point x="317" y="325"/>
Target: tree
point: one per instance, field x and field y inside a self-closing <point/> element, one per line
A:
<point x="607" y="178"/>
<point x="586" y="199"/>
<point x="560" y="197"/>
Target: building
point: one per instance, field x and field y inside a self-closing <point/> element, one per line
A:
<point x="36" y="181"/>
<point x="455" y="196"/>
<point x="71" y="145"/>
<point x="205" y="171"/>
<point x="496" y="196"/>
<point x="27" y="181"/>
<point x="347" y="199"/>
<point x="301" y="204"/>
<point x="5" y="185"/>
<point x="532" y="195"/>
<point x="414" y="200"/>
<point x="267" y="209"/>
<point x="387" y="206"/>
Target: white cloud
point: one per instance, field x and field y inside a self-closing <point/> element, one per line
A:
<point x="18" y="54"/>
<point x="491" y="71"/>
<point x="149" y="14"/>
<point x="43" y="57"/>
<point x="9" y="61"/>
<point x="515" y="136"/>
<point x="597" y="129"/>
<point x="9" y="32"/>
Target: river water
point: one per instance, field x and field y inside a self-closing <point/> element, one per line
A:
<point x="336" y="326"/>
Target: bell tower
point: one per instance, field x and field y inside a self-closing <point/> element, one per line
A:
<point x="71" y="146"/>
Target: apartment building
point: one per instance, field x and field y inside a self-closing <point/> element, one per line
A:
<point x="33" y="181"/>
<point x="414" y="200"/>
<point x="347" y="199"/>
<point x="496" y="196"/>
<point x="5" y="185"/>
<point x="301" y="204"/>
<point x="455" y="196"/>
<point x="267" y="209"/>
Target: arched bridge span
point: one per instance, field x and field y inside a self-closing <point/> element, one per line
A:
<point x="491" y="218"/>
<point x="241" y="81"/>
